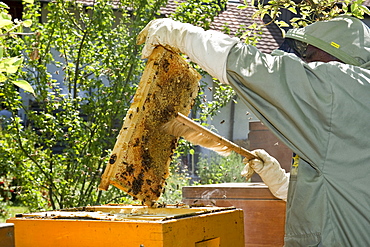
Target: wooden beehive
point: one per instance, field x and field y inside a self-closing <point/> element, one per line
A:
<point x="264" y="214"/>
<point x="139" y="163"/>
<point x="7" y="235"/>
<point x="131" y="226"/>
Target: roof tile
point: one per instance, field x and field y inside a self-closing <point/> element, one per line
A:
<point x="235" y="18"/>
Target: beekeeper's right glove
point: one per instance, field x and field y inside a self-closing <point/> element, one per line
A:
<point x="209" y="49"/>
<point x="270" y="171"/>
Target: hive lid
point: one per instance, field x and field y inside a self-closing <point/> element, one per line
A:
<point x="226" y="191"/>
<point x="124" y="213"/>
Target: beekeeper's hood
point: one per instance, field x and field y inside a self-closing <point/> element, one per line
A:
<point x="346" y="38"/>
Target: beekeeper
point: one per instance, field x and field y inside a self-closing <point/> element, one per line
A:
<point x="317" y="101"/>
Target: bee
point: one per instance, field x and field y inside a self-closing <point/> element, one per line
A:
<point x="130" y="169"/>
<point x="113" y="159"/>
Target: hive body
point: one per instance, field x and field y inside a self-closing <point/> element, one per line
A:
<point x="131" y="226"/>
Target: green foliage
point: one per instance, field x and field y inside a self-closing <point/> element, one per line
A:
<point x="84" y="66"/>
<point x="10" y="63"/>
<point x="179" y="177"/>
<point x="214" y="169"/>
<point x="199" y="13"/>
<point x="307" y="11"/>
<point x="222" y="94"/>
<point x="202" y="13"/>
<point x="12" y="211"/>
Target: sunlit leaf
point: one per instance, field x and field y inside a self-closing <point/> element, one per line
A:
<point x="282" y="24"/>
<point x="293" y="10"/>
<point x="24" y="85"/>
<point x="3" y="77"/>
<point x="10" y="65"/>
<point x="3" y="5"/>
<point x="27" y="23"/>
<point x="4" y="23"/>
<point x="5" y="16"/>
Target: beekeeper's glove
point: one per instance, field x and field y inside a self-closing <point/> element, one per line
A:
<point x="209" y="49"/>
<point x="270" y="171"/>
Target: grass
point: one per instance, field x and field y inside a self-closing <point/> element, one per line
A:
<point x="12" y="211"/>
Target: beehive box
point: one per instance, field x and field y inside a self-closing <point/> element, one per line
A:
<point x="264" y="214"/>
<point x="6" y="235"/>
<point x="131" y="226"/>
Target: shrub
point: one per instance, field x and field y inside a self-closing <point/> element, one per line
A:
<point x="214" y="169"/>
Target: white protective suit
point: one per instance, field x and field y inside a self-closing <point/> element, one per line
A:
<point x="320" y="110"/>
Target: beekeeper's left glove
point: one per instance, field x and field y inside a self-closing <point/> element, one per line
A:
<point x="270" y="171"/>
<point x="209" y="49"/>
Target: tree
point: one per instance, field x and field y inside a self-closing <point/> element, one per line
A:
<point x="10" y="63"/>
<point x="84" y="65"/>
<point x="306" y="11"/>
<point x="61" y="149"/>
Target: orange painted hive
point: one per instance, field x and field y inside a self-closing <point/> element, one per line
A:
<point x="131" y="226"/>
